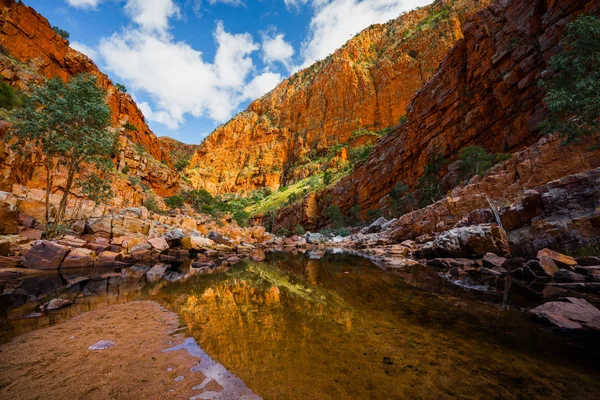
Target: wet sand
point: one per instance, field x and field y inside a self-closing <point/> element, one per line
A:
<point x="55" y="363"/>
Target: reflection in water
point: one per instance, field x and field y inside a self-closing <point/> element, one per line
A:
<point x="340" y="328"/>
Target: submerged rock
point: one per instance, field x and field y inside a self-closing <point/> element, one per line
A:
<point x="569" y="313"/>
<point x="55" y="304"/>
<point x="102" y="345"/>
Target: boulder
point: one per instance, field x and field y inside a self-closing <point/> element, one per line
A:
<point x="109" y="257"/>
<point x="491" y="260"/>
<point x="156" y="272"/>
<point x="197" y="243"/>
<point x="78" y="258"/>
<point x="569" y="313"/>
<point x="10" y="241"/>
<point x="315" y="238"/>
<point x="588" y="261"/>
<point x="45" y="255"/>
<point x="9" y="219"/>
<point x="469" y="241"/>
<point x="175" y="234"/>
<point x="55" y="304"/>
<point x="99" y="226"/>
<point x="136" y="271"/>
<point x="159" y="243"/>
<point x="376" y="226"/>
<point x="564" y="275"/>
<point x="218" y="238"/>
<point x="560" y="260"/>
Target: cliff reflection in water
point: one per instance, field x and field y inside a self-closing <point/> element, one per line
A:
<point x="341" y="328"/>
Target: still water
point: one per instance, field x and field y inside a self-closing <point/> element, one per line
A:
<point x="339" y="327"/>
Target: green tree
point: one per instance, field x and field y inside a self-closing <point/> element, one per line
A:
<point x="121" y="87"/>
<point x="8" y="99"/>
<point x="475" y="160"/>
<point x="430" y="182"/>
<point x="327" y="177"/>
<point x="336" y="216"/>
<point x="573" y="91"/>
<point x="174" y="202"/>
<point x="69" y="124"/>
<point x="62" y="33"/>
<point x="402" y="200"/>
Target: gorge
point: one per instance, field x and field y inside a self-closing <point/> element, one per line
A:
<point x="417" y="215"/>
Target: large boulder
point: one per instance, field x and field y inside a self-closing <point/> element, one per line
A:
<point x="78" y="258"/>
<point x="376" y="226"/>
<point x="315" y="238"/>
<point x="9" y="219"/>
<point x="469" y="241"/>
<point x="198" y="243"/>
<point x="45" y="255"/>
<point x="99" y="226"/>
<point x="159" y="243"/>
<point x="569" y="313"/>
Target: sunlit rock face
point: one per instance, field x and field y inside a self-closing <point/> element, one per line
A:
<point x="367" y="83"/>
<point x="32" y="51"/>
<point x="485" y="92"/>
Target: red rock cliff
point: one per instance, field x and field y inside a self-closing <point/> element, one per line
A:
<point x="485" y="92"/>
<point x="30" y="40"/>
<point x="365" y="84"/>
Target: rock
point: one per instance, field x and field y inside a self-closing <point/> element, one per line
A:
<point x="315" y="238"/>
<point x="136" y="271"/>
<point x="100" y="226"/>
<point x="375" y="226"/>
<point x="175" y="234"/>
<point x="109" y="257"/>
<point x="156" y="272"/>
<point x="588" y="261"/>
<point x="102" y="345"/>
<point x="469" y="241"/>
<point x="221" y="248"/>
<point x="565" y="275"/>
<point x="45" y="255"/>
<point x="218" y="238"/>
<point x="9" y="219"/>
<point x="490" y="260"/>
<point x="569" y="313"/>
<point x="159" y="243"/>
<point x="8" y="242"/>
<point x="488" y="271"/>
<point x="560" y="260"/>
<point x="136" y="244"/>
<point x="258" y="255"/>
<point x="30" y="233"/>
<point x="544" y="268"/>
<point x="78" y="258"/>
<point x="200" y="243"/>
<point x="55" y="304"/>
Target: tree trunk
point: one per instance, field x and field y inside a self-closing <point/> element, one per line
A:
<point x="48" y="190"/>
<point x="65" y="199"/>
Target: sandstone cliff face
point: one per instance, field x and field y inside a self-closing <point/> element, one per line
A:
<point x="32" y="50"/>
<point x="485" y="92"/>
<point x="366" y="84"/>
<point x="177" y="150"/>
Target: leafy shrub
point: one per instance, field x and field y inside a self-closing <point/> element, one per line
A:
<point x="354" y="216"/>
<point x="341" y="232"/>
<point x="8" y="99"/>
<point x="573" y="92"/>
<point x="181" y="165"/>
<point x="359" y="153"/>
<point x="299" y="230"/>
<point x="402" y="200"/>
<point x="374" y="214"/>
<point x="174" y="202"/>
<point x="475" y="160"/>
<point x="135" y="181"/>
<point x="152" y="204"/>
<point x="130" y="127"/>
<point x="335" y="214"/>
<point x="430" y="184"/>
<point x="121" y="87"/>
<point x="126" y="169"/>
<point x="62" y="33"/>
<point x="327" y="177"/>
<point x="145" y="187"/>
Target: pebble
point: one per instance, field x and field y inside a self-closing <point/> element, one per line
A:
<point x="102" y="345"/>
<point x="179" y="378"/>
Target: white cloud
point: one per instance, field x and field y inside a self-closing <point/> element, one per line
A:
<point x="336" y="21"/>
<point x="85" y="49"/>
<point x="178" y="79"/>
<point x="84" y="3"/>
<point x="234" y="3"/>
<point x="152" y="15"/>
<point x="294" y="4"/>
<point x="261" y="84"/>
<point x="276" y="49"/>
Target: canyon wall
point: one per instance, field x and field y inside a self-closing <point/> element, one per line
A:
<point x="366" y="84"/>
<point x="31" y="50"/>
<point x="485" y="92"/>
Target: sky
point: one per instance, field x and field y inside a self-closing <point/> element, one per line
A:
<point x="191" y="65"/>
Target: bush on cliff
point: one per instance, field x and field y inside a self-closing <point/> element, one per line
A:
<point x="62" y="33"/>
<point x="174" y="202"/>
<point x="430" y="183"/>
<point x="8" y="98"/>
<point x="573" y="91"/>
<point x="69" y="124"/>
<point x="475" y="160"/>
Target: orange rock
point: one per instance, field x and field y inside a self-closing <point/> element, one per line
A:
<point x="367" y="83"/>
<point x="560" y="260"/>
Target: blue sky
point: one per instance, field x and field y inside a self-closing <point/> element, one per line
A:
<point x="193" y="64"/>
